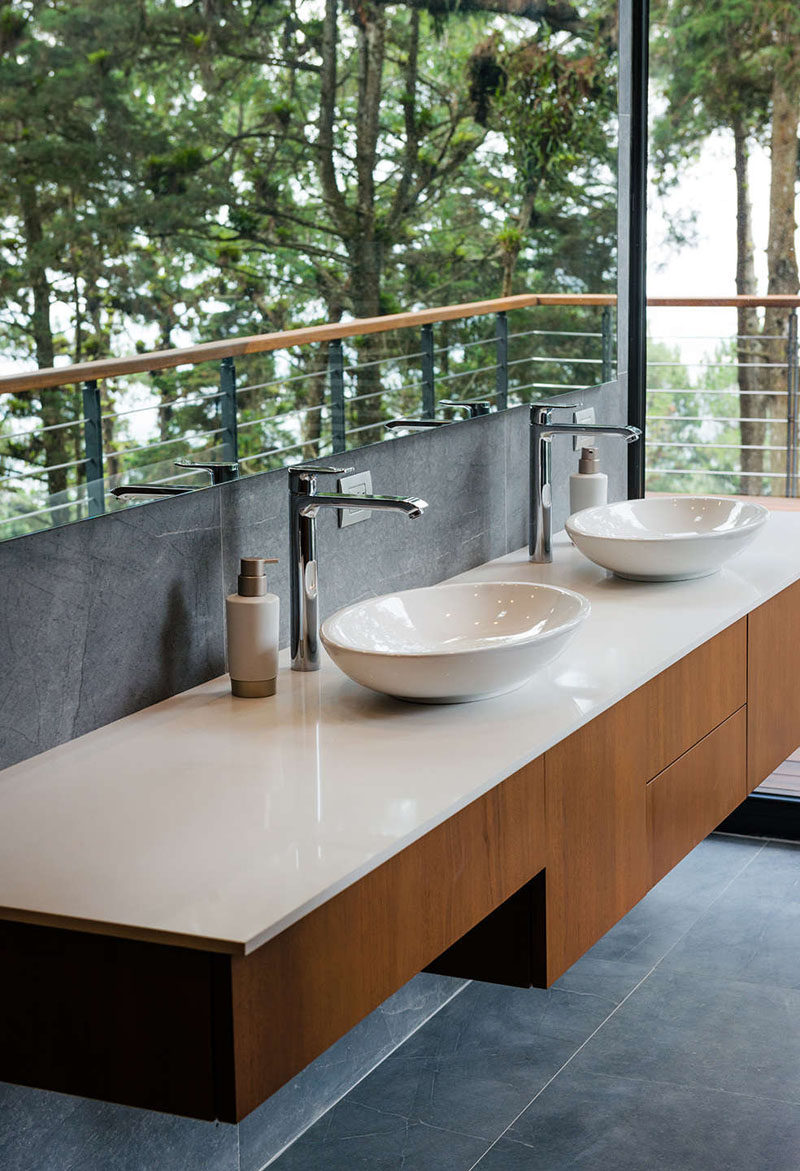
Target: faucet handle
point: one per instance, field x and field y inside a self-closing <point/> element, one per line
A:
<point x="304" y="474"/>
<point x="317" y="470"/>
<point x="221" y="471"/>
<point x="474" y="409"/>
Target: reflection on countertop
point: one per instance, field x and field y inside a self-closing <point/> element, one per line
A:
<point x="221" y="821"/>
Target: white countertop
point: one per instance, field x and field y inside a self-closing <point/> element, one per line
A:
<point x="218" y="822"/>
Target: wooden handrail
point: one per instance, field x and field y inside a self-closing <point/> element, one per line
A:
<point x="262" y="342"/>
<point x="772" y="301"/>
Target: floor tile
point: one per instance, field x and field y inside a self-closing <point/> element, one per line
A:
<point x="355" y="1138"/>
<point x="619" y="1124"/>
<point x="490" y="1017"/>
<point x="655" y="924"/>
<point x="324" y="1082"/>
<point x="694" y="1030"/>
<point x="42" y="1131"/>
<point x="773" y="874"/>
<point x="477" y="1094"/>
<point x="610" y="979"/>
<point x="751" y="939"/>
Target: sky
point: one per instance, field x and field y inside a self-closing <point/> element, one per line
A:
<point x="706" y="267"/>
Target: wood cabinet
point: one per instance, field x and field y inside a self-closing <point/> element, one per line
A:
<point x="212" y="1036"/>
<point x="598" y="863"/>
<point x="515" y="887"/>
<point x="301" y="991"/>
<point x="773" y="695"/>
<point x="691" y="797"/>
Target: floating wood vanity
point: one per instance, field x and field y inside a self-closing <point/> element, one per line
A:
<point x="184" y="932"/>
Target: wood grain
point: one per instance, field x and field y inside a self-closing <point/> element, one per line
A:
<point x="773" y="696"/>
<point x="107" y="1018"/>
<point x="263" y="342"/>
<point x="689" y="799"/>
<point x="301" y="991"/>
<point x="595" y="783"/>
<point x="509" y="946"/>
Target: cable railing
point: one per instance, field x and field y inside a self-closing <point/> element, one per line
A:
<point x="276" y="398"/>
<point x="282" y="397"/>
<point x="726" y="422"/>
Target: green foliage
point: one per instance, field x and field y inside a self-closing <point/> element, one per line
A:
<point x="163" y="180"/>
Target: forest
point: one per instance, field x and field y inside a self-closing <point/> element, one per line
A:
<point x="732" y="68"/>
<point x="178" y="171"/>
<point x="173" y="172"/>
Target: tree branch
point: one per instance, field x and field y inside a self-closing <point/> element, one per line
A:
<point x="559" y="14"/>
<point x="411" y="151"/>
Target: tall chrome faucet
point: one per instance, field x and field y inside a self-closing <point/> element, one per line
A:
<point x="304" y="504"/>
<point x="541" y="484"/>
<point x="220" y="473"/>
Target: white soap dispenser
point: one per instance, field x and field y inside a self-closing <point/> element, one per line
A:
<point x="252" y="618"/>
<point x="588" y="486"/>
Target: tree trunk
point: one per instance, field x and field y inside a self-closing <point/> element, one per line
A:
<point x="366" y="248"/>
<point x="782" y="265"/>
<point x="514" y="241"/>
<point x="52" y="409"/>
<point x="748" y="350"/>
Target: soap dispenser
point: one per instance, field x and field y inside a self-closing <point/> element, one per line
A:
<point x="588" y="486"/>
<point x="252" y="619"/>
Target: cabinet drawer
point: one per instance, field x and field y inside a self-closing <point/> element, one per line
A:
<point x="690" y="798"/>
<point x="595" y="786"/>
<point x="674" y="711"/>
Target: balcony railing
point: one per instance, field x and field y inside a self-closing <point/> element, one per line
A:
<point x="327" y="388"/>
<point x="274" y="398"/>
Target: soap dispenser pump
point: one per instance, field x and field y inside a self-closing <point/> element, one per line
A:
<point x="252" y="618"/>
<point x="588" y="486"/>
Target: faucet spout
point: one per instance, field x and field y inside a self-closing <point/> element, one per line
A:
<point x="304" y="504"/>
<point x="410" y="505"/>
<point x="541" y="488"/>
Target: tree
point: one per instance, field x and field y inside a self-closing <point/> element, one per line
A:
<point x="247" y="166"/>
<point x="734" y="65"/>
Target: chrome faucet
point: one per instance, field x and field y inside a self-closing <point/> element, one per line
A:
<point x="474" y="410"/>
<point x="541" y="484"/>
<point x="304" y="504"/>
<point x="221" y="473"/>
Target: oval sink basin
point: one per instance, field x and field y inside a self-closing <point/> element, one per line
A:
<point x="670" y="538"/>
<point x="453" y="643"/>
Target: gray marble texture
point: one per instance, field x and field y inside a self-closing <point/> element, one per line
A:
<point x="102" y="618"/>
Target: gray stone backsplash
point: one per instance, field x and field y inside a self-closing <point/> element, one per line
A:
<point x="102" y="618"/>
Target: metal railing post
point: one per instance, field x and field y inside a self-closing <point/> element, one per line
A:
<point x="228" y="410"/>
<point x="428" y="377"/>
<point x="607" y="369"/>
<point x="93" y="449"/>
<point x="336" y="385"/>
<point x="501" y="357"/>
<point x="791" y="403"/>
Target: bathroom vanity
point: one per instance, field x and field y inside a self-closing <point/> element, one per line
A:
<point x="199" y="899"/>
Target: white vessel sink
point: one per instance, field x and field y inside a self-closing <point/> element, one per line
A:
<point x="453" y="643"/>
<point x="669" y="538"/>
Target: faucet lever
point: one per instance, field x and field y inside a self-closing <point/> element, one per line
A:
<point x="474" y="409"/>
<point x="317" y="470"/>
<point x="221" y="471"/>
<point x="304" y="475"/>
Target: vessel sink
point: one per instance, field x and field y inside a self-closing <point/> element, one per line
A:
<point x="670" y="538"/>
<point x="453" y="643"/>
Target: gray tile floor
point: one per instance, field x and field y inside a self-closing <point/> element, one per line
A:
<point x="673" y="1045"/>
